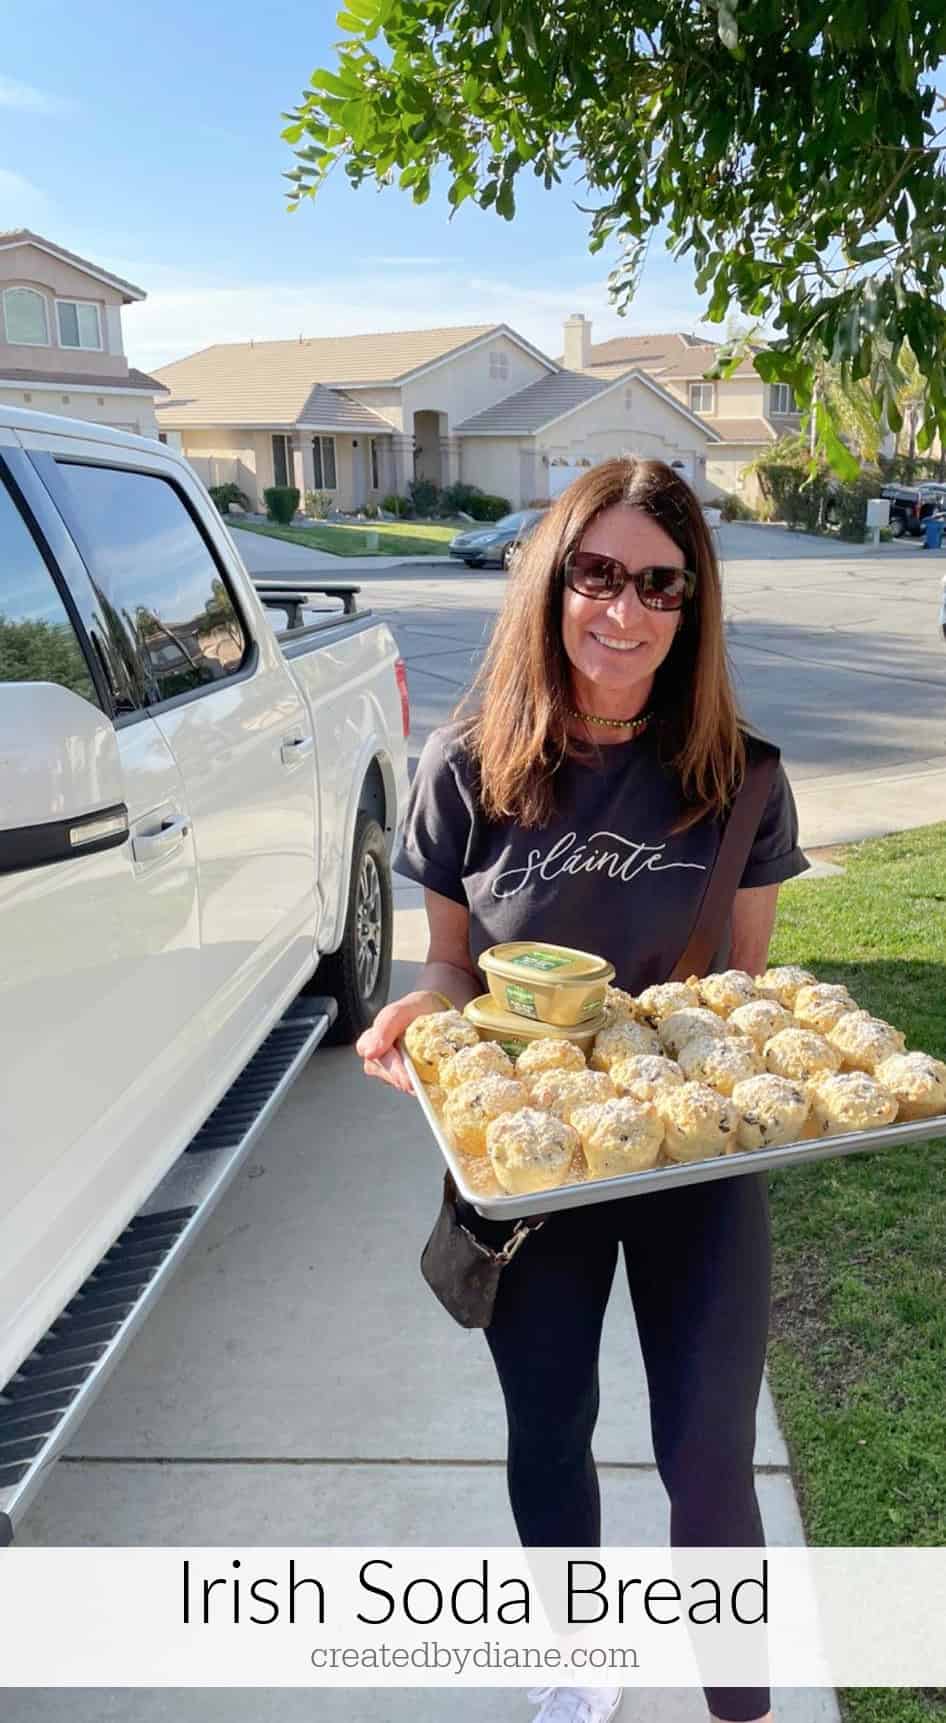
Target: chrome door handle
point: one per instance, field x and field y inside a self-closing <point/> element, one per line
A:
<point x="295" y="748"/>
<point x="150" y="846"/>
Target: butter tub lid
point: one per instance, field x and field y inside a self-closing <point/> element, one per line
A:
<point x="484" y="1013"/>
<point x="537" y="960"/>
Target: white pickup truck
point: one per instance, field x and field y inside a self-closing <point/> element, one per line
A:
<point x="201" y="778"/>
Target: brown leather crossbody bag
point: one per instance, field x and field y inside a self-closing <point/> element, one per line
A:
<point x="462" y="1272"/>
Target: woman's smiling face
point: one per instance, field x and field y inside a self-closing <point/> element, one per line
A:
<point x="616" y="645"/>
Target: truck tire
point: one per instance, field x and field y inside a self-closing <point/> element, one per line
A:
<point x="358" y="974"/>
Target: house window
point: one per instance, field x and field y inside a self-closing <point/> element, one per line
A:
<point x="498" y="364"/>
<point x="24" y="312"/>
<point x="323" y="463"/>
<point x="783" y="401"/>
<point x="282" y="460"/>
<point x="702" y="398"/>
<point x="78" y="324"/>
<point x="375" y="464"/>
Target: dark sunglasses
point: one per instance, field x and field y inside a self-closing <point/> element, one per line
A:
<point x="593" y="576"/>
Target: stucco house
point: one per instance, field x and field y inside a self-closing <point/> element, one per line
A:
<point x="360" y="416"/>
<point x="746" y="413"/>
<point x="61" y="343"/>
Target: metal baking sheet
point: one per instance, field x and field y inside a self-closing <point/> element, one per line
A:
<point x="665" y="1178"/>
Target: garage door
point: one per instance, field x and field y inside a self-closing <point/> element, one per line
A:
<point x="560" y="477"/>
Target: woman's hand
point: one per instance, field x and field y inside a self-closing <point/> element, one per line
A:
<point x="378" y="1045"/>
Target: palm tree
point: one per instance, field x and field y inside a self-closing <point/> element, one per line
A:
<point x="852" y="407"/>
<point x="911" y="399"/>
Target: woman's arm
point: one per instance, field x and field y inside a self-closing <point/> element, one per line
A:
<point x="753" y="919"/>
<point x="448" y="970"/>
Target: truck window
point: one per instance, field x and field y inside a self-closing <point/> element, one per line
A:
<point x="38" y="642"/>
<point x="156" y="576"/>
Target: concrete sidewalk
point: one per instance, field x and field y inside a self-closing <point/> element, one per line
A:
<point x="319" y="1395"/>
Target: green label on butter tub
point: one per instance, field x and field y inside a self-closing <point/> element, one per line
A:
<point x="591" y="1007"/>
<point x="541" y="960"/>
<point x="521" y="1000"/>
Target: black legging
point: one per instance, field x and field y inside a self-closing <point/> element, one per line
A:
<point x="697" y="1262"/>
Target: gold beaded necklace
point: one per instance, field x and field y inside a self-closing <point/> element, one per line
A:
<point x="635" y="724"/>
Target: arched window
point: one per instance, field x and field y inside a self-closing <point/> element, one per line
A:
<point x="24" y="314"/>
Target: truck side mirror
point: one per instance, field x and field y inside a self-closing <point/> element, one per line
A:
<point x="60" y="772"/>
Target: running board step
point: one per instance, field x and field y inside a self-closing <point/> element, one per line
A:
<point x="43" y="1404"/>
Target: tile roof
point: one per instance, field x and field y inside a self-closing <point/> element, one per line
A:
<point x="81" y="379"/>
<point x="271" y="382"/>
<point x="674" y="354"/>
<point x="333" y="410"/>
<point x="531" y="408"/>
<point x="25" y="236"/>
<point x="743" y="430"/>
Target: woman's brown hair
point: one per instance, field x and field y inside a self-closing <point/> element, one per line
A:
<point x="518" y="735"/>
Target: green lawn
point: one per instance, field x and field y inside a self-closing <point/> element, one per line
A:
<point x="408" y="538"/>
<point x="857" y="1360"/>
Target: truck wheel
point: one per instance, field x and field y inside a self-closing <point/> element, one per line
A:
<point x="897" y="527"/>
<point x="358" y="974"/>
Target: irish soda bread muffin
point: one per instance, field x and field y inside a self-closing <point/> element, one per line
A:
<point x="698" y="1123"/>
<point x="529" y="1151"/>
<point x="683" y="1026"/>
<point x="783" y="983"/>
<point x="720" y="1060"/>
<point x="618" y="1004"/>
<point x="549" y="1054"/>
<point x="864" y="1041"/>
<point x="760" y="1020"/>
<point x="799" y="1054"/>
<point x="656" y="1003"/>
<point x="559" y="1092"/>
<point x="772" y="1111"/>
<point x="621" y="1040"/>
<point x="486" y="1059"/>
<point x="917" y="1081"/>
<point x="644" y="1074"/>
<point x="850" y="1101"/>
<point x="619" y="1136"/>
<point x="432" y="1039"/>
<point x="725" y="992"/>
<point x="820" y="1005"/>
<point x="468" y="1110"/>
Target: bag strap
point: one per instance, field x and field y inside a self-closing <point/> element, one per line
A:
<point x="721" y="887"/>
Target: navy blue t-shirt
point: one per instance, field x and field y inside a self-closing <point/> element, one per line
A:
<point x="605" y="875"/>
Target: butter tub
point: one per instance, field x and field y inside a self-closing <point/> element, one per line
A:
<point x="515" y="1034"/>
<point x="548" y="983"/>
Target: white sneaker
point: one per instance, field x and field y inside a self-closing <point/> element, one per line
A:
<point x="576" y="1704"/>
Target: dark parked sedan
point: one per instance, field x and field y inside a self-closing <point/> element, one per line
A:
<point x="493" y="542"/>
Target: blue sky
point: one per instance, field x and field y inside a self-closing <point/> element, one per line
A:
<point x="147" y="139"/>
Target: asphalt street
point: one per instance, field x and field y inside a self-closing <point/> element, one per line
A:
<point x="297" y="1384"/>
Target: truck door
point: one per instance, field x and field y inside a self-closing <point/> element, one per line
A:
<point x="100" y="950"/>
<point x="216" y="686"/>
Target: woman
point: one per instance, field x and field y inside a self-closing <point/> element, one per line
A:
<point x="582" y="803"/>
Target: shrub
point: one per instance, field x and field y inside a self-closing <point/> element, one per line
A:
<point x="281" y="503"/>
<point x="486" y="507"/>
<point x="539" y="503"/>
<point x="425" y="496"/>
<point x="317" y="504"/>
<point x="458" y="498"/>
<point x="400" y="506"/>
<point x="849" y="507"/>
<point x="733" y="508"/>
<point x="224" y="495"/>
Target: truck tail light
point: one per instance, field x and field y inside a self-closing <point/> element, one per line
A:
<point x="400" y="676"/>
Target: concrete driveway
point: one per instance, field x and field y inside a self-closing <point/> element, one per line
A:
<point x="297" y="1384"/>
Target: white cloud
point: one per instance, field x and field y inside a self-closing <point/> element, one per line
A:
<point x="28" y="99"/>
<point x="182" y="315"/>
<point x="22" y="204"/>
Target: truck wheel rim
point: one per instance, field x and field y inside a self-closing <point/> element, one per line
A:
<point x="368" y="918"/>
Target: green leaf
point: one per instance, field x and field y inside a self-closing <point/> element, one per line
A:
<point x="901" y="219"/>
<point x="837" y="454"/>
<point x="346" y="21"/>
<point x="342" y="83"/>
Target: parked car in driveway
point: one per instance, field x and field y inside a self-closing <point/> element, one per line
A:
<point x="493" y="545"/>
<point x="203" y="778"/>
<point x="910" y="505"/>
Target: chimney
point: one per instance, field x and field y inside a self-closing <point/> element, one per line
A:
<point x="577" y="342"/>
